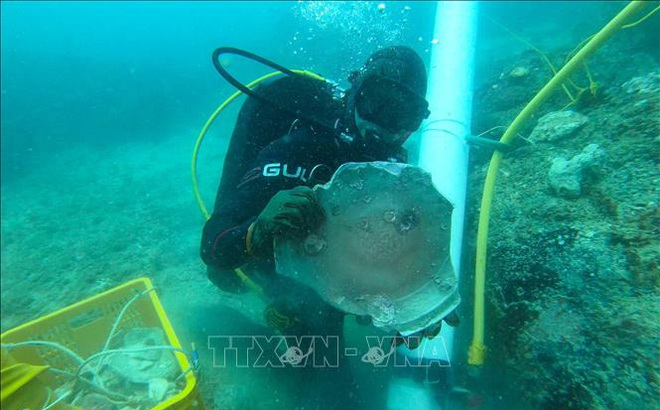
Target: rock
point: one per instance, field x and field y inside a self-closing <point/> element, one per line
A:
<point x="558" y="125"/>
<point x="519" y="72"/>
<point x="158" y="389"/>
<point x="649" y="84"/>
<point x="566" y="177"/>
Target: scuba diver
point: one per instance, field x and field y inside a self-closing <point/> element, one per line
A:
<point x="295" y="136"/>
<point x="291" y="134"/>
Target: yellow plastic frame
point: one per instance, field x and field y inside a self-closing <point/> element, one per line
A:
<point x="84" y="326"/>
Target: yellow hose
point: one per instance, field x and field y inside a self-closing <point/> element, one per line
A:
<point x="477" y="350"/>
<point x="198" y="143"/>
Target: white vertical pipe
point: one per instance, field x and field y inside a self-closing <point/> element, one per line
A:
<point x="443" y="147"/>
<point x="443" y="151"/>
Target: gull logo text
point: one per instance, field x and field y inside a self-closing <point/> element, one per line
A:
<point x="277" y="169"/>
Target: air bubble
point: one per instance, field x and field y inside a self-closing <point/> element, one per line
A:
<point x="314" y="244"/>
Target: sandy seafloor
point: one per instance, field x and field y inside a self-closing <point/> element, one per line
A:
<point x="91" y="219"/>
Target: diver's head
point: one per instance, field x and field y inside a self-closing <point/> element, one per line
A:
<point x="388" y="95"/>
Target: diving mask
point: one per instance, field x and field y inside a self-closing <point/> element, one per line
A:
<point x="390" y="105"/>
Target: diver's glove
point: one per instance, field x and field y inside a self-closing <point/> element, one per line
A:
<point x="414" y="340"/>
<point x="289" y="214"/>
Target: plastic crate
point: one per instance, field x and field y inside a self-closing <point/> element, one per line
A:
<point x="83" y="328"/>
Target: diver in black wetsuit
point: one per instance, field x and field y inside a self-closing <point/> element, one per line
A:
<point x="276" y="156"/>
<point x="264" y="190"/>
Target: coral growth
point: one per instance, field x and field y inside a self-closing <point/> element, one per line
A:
<point x="573" y="287"/>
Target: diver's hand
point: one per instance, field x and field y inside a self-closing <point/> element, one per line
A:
<point x="290" y="213"/>
<point x="414" y="340"/>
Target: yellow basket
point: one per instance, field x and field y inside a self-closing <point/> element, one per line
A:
<point x="83" y="328"/>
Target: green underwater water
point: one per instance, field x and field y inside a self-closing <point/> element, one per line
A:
<point x="99" y="118"/>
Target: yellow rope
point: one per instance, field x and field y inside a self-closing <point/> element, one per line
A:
<point x="642" y="19"/>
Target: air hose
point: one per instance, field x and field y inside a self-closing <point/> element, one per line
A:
<point x="477" y="350"/>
